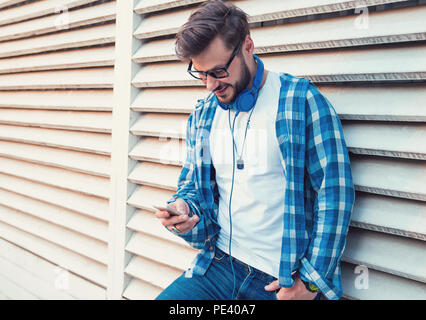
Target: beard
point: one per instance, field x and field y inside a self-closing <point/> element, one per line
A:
<point x="239" y="86"/>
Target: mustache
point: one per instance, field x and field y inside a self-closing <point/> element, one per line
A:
<point x="220" y="87"/>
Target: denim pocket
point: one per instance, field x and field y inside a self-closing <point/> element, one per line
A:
<point x="219" y="255"/>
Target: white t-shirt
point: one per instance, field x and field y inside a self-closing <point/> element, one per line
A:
<point x="259" y="189"/>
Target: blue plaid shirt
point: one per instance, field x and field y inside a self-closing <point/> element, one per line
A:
<point x="319" y="190"/>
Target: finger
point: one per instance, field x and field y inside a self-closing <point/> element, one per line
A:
<point x="175" y="220"/>
<point x="272" y="286"/>
<point x="161" y="214"/>
<point x="180" y="206"/>
<point x="184" y="227"/>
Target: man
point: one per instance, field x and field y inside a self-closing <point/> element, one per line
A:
<point x="266" y="189"/>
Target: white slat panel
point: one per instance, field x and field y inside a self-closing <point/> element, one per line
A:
<point x="385" y="139"/>
<point x="92" y="164"/>
<point x="152" y="272"/>
<point x="158" y="125"/>
<point x="69" y="39"/>
<point x="381" y="286"/>
<point x="383" y="252"/>
<point x="14" y="291"/>
<point x="78" y="18"/>
<point x="169" y="23"/>
<point x="79" y="182"/>
<point x="391" y="215"/>
<point x="139" y="290"/>
<point x="8" y="3"/>
<point x="176" y="101"/>
<point x="25" y="279"/>
<point x="148" y="6"/>
<point x="68" y="239"/>
<point x="69" y="120"/>
<point x="69" y="260"/>
<point x="384" y="27"/>
<point x="49" y="274"/>
<point x="382" y="103"/>
<point x="377" y="64"/>
<point x="171" y="151"/>
<point x="97" y="143"/>
<point x="93" y="57"/>
<point x="398" y="178"/>
<point x="145" y="222"/>
<point x="38" y="9"/>
<point x="159" y="250"/>
<point x="100" y="78"/>
<point x="79" y="100"/>
<point x="145" y="197"/>
<point x="155" y="175"/>
<point x="59" y="216"/>
<point x="87" y="205"/>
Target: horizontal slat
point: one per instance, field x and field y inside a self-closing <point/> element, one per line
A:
<point x="172" y="151"/>
<point x="69" y="120"/>
<point x="14" y="291"/>
<point x="393" y="177"/>
<point x="162" y="126"/>
<point x="97" y="143"/>
<point x="140" y="290"/>
<point x="90" y="206"/>
<point x="98" y="35"/>
<point x="382" y="103"/>
<point x="156" y="249"/>
<point x="54" y="23"/>
<point x="180" y="100"/>
<point x="59" y="216"/>
<point x="59" y="178"/>
<point x="152" y="272"/>
<point x="8" y="3"/>
<point x="145" y="222"/>
<point x="86" y="58"/>
<point x="383" y="252"/>
<point x="380" y="285"/>
<point x="49" y="274"/>
<point x="68" y="239"/>
<point x="148" y="6"/>
<point x="69" y="260"/>
<point x="145" y="197"/>
<point x="71" y="160"/>
<point x="155" y="175"/>
<point x="379" y="64"/>
<point x="39" y="9"/>
<point x="403" y="25"/>
<point x="385" y="139"/>
<point x="390" y="215"/>
<point x="269" y="11"/>
<point x="78" y="100"/>
<point x="98" y="78"/>
<point x="355" y="102"/>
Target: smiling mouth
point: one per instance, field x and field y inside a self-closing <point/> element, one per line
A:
<point x="221" y="90"/>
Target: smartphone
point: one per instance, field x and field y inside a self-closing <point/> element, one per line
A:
<point x="169" y="209"/>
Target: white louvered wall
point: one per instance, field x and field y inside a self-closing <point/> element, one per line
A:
<point x="56" y="77"/>
<point x="373" y="71"/>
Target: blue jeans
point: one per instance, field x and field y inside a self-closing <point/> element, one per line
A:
<point x="218" y="283"/>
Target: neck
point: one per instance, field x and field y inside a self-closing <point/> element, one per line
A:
<point x="253" y="69"/>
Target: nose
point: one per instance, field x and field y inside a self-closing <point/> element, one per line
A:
<point x="211" y="83"/>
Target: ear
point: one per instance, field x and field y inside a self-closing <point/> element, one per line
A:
<point x="248" y="46"/>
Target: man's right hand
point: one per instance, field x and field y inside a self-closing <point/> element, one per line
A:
<point x="182" y="223"/>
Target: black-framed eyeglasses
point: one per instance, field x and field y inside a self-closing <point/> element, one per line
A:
<point x="218" y="73"/>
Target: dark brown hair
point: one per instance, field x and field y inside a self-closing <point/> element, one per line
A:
<point x="211" y="19"/>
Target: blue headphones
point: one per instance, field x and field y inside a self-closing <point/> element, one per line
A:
<point x="248" y="97"/>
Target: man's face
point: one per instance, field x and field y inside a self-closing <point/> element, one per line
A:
<point x="216" y="55"/>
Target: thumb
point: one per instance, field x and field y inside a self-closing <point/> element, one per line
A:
<point x="181" y="206"/>
<point x="272" y="286"/>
